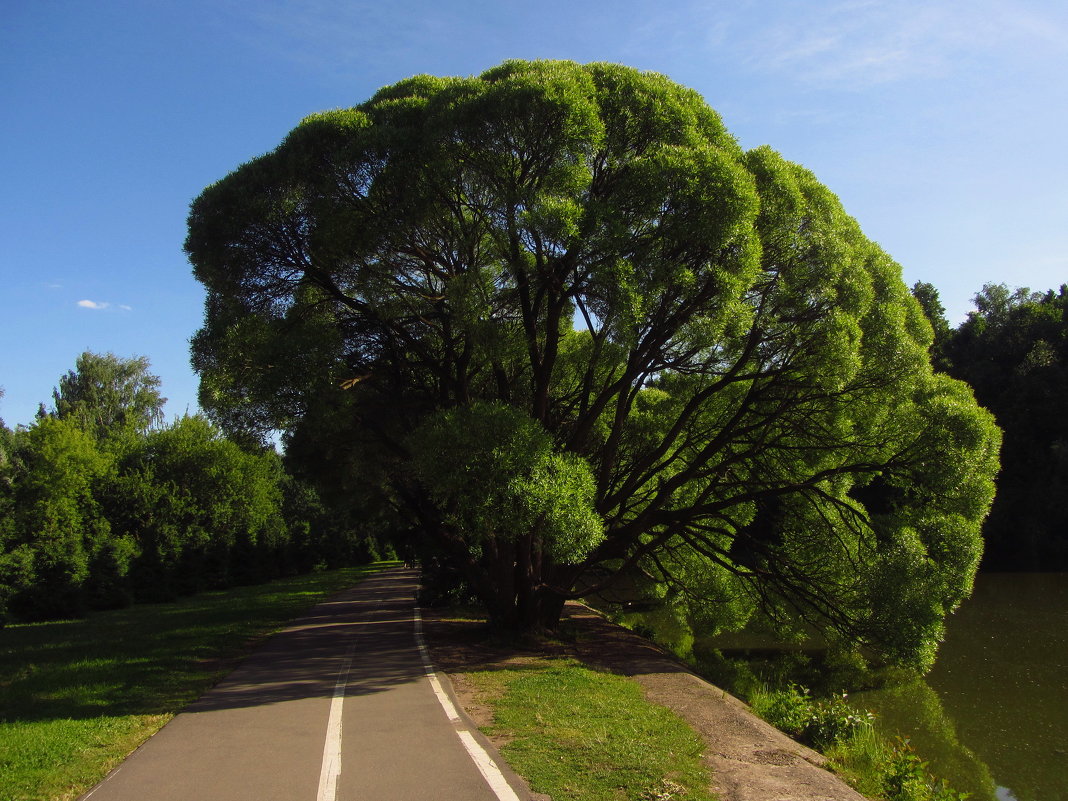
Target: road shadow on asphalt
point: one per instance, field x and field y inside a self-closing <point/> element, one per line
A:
<point x="373" y="636"/>
<point x="57" y="672"/>
<point x="462" y="645"/>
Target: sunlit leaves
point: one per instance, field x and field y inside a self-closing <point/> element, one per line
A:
<point x="579" y="328"/>
<point x="110" y="397"/>
<point x="499" y="477"/>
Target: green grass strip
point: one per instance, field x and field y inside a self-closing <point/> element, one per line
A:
<point x="76" y="696"/>
<point x="589" y="736"/>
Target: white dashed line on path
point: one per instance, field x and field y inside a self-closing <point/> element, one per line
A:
<point x="331" y="769"/>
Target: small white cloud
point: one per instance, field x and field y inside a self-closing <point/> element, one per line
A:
<point x="92" y="304"/>
<point x="124" y="307"/>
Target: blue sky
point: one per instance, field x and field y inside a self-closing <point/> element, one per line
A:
<point x="940" y="125"/>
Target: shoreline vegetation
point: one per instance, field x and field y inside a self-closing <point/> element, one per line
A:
<point x="878" y="763"/>
<point x="485" y="669"/>
<point x="78" y="696"/>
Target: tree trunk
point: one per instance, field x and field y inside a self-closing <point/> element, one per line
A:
<point x="517" y="600"/>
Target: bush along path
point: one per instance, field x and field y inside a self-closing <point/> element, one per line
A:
<point x="876" y="765"/>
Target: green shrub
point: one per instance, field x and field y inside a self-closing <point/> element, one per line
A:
<point x="818" y="722"/>
<point x="905" y="777"/>
<point x="56" y="519"/>
<point x="205" y="513"/>
<point x="889" y="771"/>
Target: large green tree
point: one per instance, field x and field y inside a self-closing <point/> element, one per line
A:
<point x="558" y="318"/>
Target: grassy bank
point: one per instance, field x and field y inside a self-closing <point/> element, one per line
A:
<point x="585" y="735"/>
<point x="76" y="696"/>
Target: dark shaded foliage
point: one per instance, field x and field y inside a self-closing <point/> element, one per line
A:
<point x="1013" y="350"/>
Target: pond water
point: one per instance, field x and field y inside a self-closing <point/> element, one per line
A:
<point x="992" y="717"/>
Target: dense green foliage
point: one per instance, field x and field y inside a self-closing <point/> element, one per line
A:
<point x="881" y="768"/>
<point x="53" y="527"/>
<point x="878" y="768"/>
<point x="638" y="351"/>
<point x="1013" y="351"/>
<point x="101" y="505"/>
<point x="931" y="303"/>
<point x="108" y="396"/>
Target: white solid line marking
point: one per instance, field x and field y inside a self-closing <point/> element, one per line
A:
<point x="487" y="767"/>
<point x="443" y="699"/>
<point x="331" y="770"/>
<point x="483" y="761"/>
<point x="435" y="685"/>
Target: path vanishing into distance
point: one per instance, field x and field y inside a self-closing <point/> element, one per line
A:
<point x="342" y="705"/>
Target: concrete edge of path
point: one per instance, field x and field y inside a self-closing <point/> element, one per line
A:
<point x="464" y="724"/>
<point x="517" y="782"/>
<point x="111" y="773"/>
<point x="750" y="759"/>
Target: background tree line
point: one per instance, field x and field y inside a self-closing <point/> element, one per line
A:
<point x="1013" y="351"/>
<point x="101" y="504"/>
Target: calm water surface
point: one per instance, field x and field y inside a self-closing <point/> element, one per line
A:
<point x="992" y="716"/>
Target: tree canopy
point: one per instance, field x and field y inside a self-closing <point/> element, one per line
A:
<point x="107" y="396"/>
<point x="1013" y="349"/>
<point x="563" y="324"/>
<point x="935" y="312"/>
<point x="97" y="510"/>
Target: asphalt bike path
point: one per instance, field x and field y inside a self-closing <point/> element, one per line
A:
<point x="342" y="705"/>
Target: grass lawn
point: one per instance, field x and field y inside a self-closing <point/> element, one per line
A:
<point x="76" y="696"/>
<point x="584" y="735"/>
